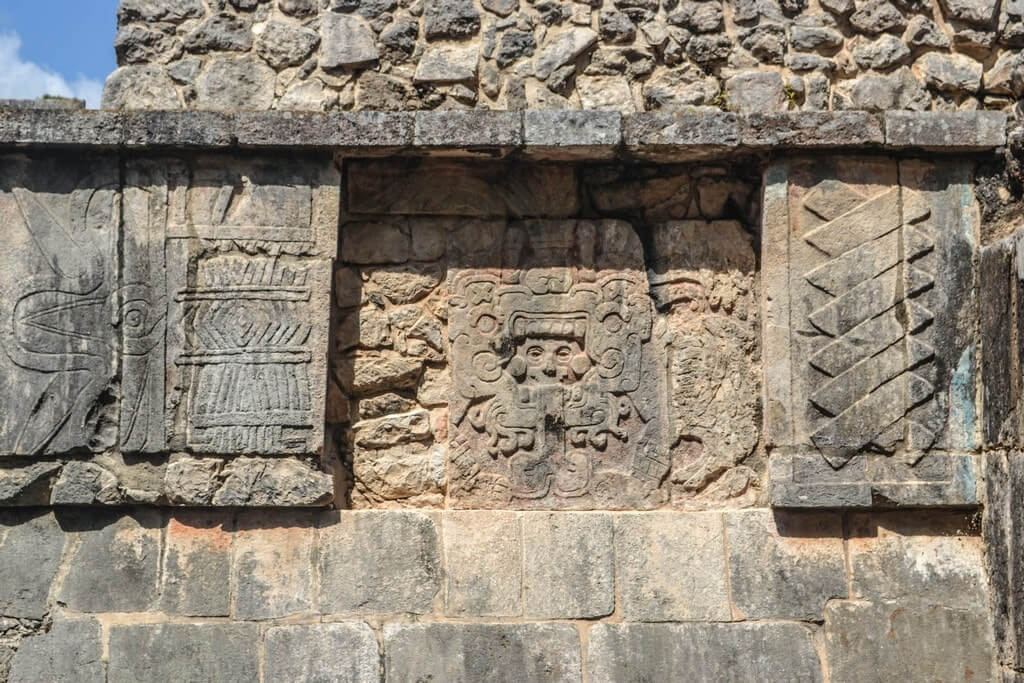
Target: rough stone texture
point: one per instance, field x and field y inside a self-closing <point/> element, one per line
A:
<point x="702" y="652"/>
<point x="114" y="566"/>
<point x="476" y="652"/>
<point x="184" y="652"/>
<point x="273" y="565"/>
<point x="31" y="546"/>
<point x="615" y="55"/>
<point x="484" y="557"/>
<point x="867" y="348"/>
<point x="373" y="562"/>
<point x="196" y="577"/>
<point x="72" y="650"/>
<point x="671" y="567"/>
<point x="805" y="554"/>
<point x="568" y="566"/>
<point x="888" y="641"/>
<point x="346" y="653"/>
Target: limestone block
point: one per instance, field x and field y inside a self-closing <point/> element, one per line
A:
<point x="231" y="84"/>
<point x="448" y="65"/>
<point x="702" y="653"/>
<point x="345" y="652"/>
<point x="346" y="41"/>
<point x="568" y="565"/>
<point x="462" y="653"/>
<point x="467" y="129"/>
<point x="934" y="558"/>
<point x="196" y="577"/>
<point x="804" y="552"/>
<point x="483" y="563"/>
<point x="273" y="565"/>
<point x="869" y="345"/>
<point x="184" y="652"/>
<point x="114" y="563"/>
<point x="892" y="641"/>
<point x="567" y="415"/>
<point x="443" y="188"/>
<point x="671" y="567"/>
<point x="379" y="561"/>
<point x="1001" y="319"/>
<point x="140" y="87"/>
<point x="72" y="650"/>
<point x="31" y="545"/>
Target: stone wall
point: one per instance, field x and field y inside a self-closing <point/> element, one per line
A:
<point x="575" y="396"/>
<point x="625" y="55"/>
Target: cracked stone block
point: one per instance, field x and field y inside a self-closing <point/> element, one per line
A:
<point x="870" y="354"/>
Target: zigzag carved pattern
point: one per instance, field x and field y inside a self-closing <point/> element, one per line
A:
<point x="875" y="355"/>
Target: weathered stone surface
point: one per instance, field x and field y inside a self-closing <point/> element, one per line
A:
<point x="756" y="92"/>
<point x="570" y="130"/>
<point x="72" y="650"/>
<point x="1000" y="325"/>
<point x="932" y="558"/>
<point x="184" y="652"/>
<point x="962" y="130"/>
<point x="220" y="33"/>
<point x="28" y="485"/>
<point x="114" y="563"/>
<point x="438" y="187"/>
<point x="483" y="560"/>
<point x="468" y="129"/>
<point x="702" y="652"/>
<point x="450" y="19"/>
<point x="890" y="641"/>
<point x="31" y="545"/>
<point x="562" y="48"/>
<point x="284" y="44"/>
<point x="448" y="65"/>
<point x="950" y="73"/>
<point x="346" y="653"/>
<point x="978" y="12"/>
<point x="671" y="567"/>
<point x="171" y="11"/>
<point x="504" y="653"/>
<point x="347" y="41"/>
<point x="568" y="565"/>
<point x="273" y="565"/>
<point x="196" y="576"/>
<point x="373" y="562"/>
<point x="85" y="483"/>
<point x="241" y="83"/>
<point x="804" y="552"/>
<point x="839" y="383"/>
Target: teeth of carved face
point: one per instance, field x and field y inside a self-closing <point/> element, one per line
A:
<point x="550" y="360"/>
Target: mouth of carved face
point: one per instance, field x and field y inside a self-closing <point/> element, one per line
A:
<point x="549" y="360"/>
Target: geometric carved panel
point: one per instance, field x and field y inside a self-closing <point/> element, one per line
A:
<point x="870" y="347"/>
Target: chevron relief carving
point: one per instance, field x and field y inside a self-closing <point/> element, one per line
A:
<point x="873" y="349"/>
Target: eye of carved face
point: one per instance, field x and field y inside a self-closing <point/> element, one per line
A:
<point x="549" y="361"/>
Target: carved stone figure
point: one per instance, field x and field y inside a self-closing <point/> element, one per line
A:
<point x="558" y="390"/>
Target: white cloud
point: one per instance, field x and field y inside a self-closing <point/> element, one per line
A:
<point x="25" y="80"/>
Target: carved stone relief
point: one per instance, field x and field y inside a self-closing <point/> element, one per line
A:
<point x="184" y="311"/>
<point x="869" y="298"/>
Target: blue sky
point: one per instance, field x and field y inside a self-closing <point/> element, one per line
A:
<point x="57" y="47"/>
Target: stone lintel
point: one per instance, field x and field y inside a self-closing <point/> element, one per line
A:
<point x="584" y="134"/>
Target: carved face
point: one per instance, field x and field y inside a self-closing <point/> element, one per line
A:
<point x="549" y="361"/>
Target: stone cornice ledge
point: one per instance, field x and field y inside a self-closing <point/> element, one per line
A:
<point x="539" y="134"/>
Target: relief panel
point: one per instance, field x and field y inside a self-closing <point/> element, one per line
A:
<point x="870" y="349"/>
<point x="249" y="253"/>
<point x="558" y="394"/>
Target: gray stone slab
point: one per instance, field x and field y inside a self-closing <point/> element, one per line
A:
<point x="379" y="561"/>
<point x="1000" y="303"/>
<point x="681" y="135"/>
<point x="465" y="653"/>
<point x="61" y="128"/>
<point x="567" y="134"/>
<point x="200" y="129"/>
<point x="363" y="131"/>
<point x="273" y="564"/>
<point x="896" y="641"/>
<point x="190" y="653"/>
<point x="196" y="577"/>
<point x="31" y="546"/>
<point x="468" y="129"/>
<point x="702" y="653"/>
<point x="114" y="561"/>
<point x="812" y="130"/>
<point x="785" y="565"/>
<point x="672" y="567"/>
<point x="342" y="652"/>
<point x="483" y="563"/>
<point x="72" y="651"/>
<point x="568" y="565"/>
<point x="949" y="131"/>
<point x="1003" y="530"/>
